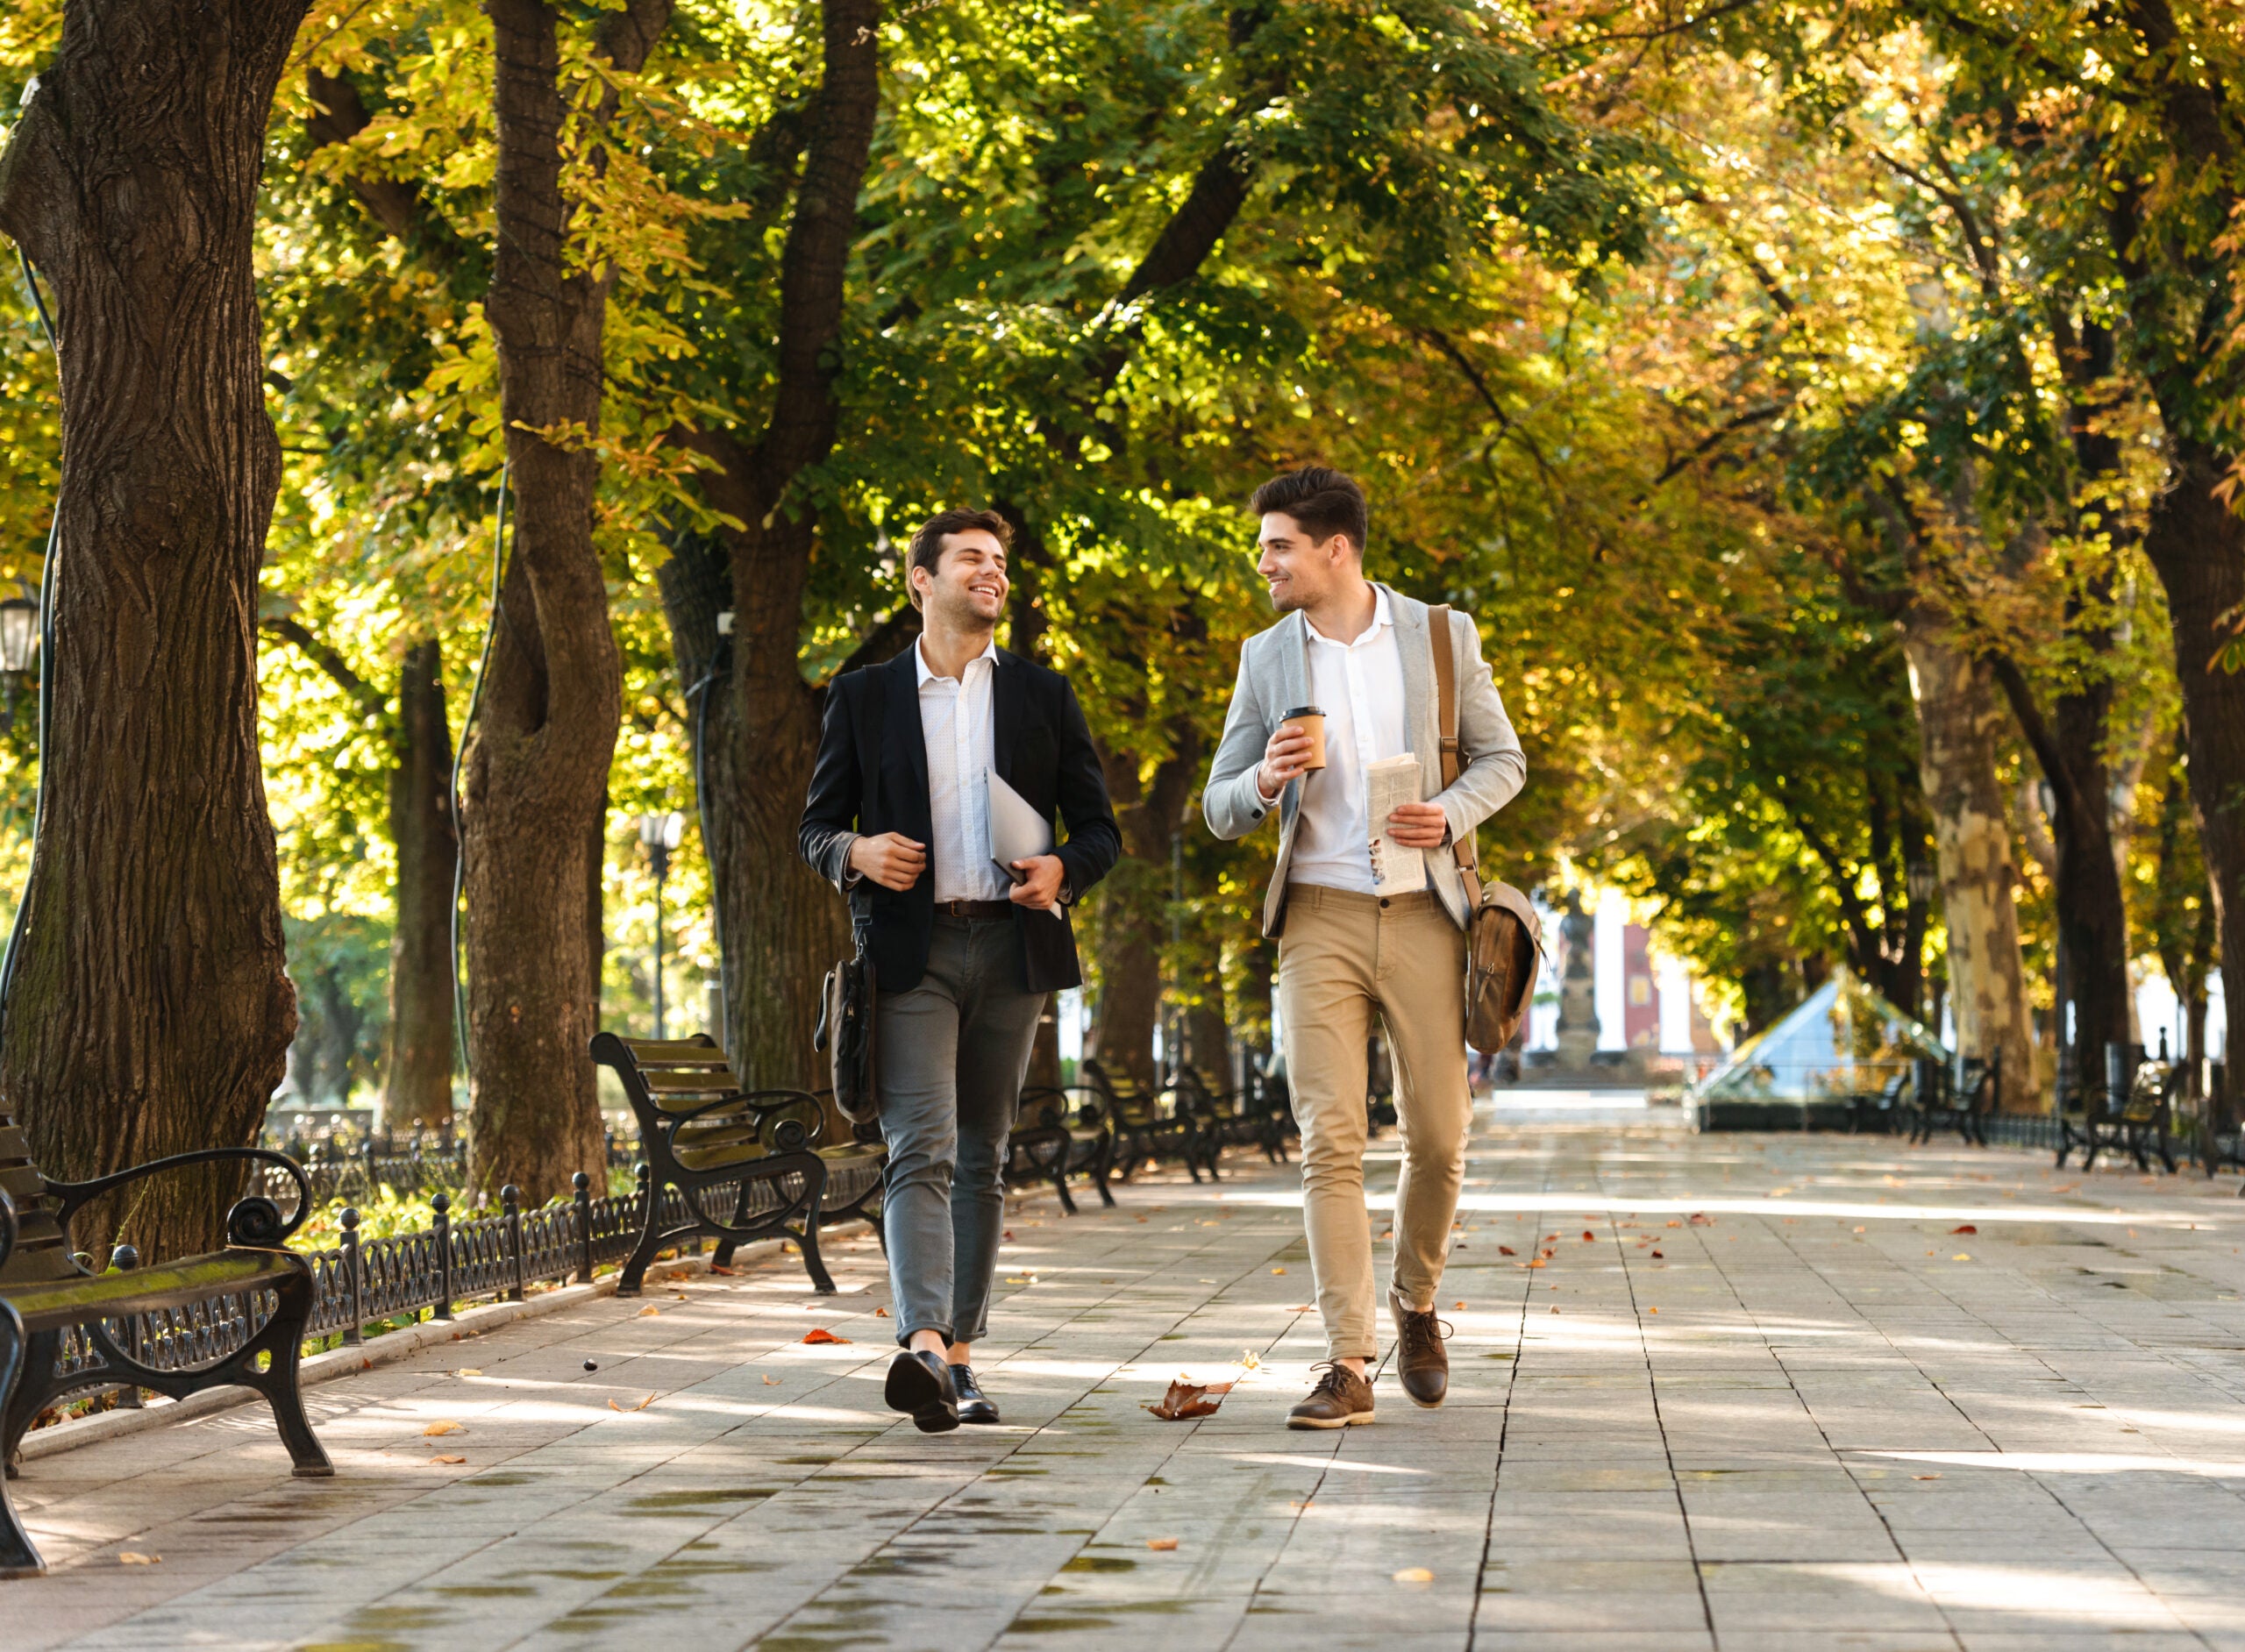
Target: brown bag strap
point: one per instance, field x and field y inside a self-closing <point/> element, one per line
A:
<point x="1438" y="634"/>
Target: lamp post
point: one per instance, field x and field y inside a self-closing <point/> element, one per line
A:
<point x="659" y="834"/>
<point x="18" y="637"/>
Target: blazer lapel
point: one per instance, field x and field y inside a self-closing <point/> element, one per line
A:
<point x="1414" y="643"/>
<point x="1298" y="676"/>
<point x="1008" y="689"/>
<point x="904" y="728"/>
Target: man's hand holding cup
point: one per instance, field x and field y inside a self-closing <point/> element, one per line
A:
<point x="1296" y="747"/>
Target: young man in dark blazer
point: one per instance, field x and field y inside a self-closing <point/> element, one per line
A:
<point x="964" y="951"/>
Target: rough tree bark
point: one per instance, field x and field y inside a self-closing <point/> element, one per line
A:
<point x="1957" y="719"/>
<point x="150" y="1013"/>
<point x="1133" y="902"/>
<point x="538" y="761"/>
<point x="417" y="1086"/>
<point x="2197" y="544"/>
<point x="781" y="927"/>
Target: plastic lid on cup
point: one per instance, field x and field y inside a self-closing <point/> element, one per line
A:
<point x="1301" y="711"/>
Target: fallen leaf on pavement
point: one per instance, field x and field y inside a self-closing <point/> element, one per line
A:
<point x="1248" y="1360"/>
<point x="1652" y="1310"/>
<point x="1925" y="1476"/>
<point x="436" y="1428"/>
<point x="1967" y="1228"/>
<point x="1278" y="1269"/>
<point x="1163" y="1543"/>
<point x="1586" y="1234"/>
<point x="469" y="1372"/>
<point x="1659" y="1256"/>
<point x="722" y="1273"/>
<point x="447" y="1459"/>
<point x="1415" y="1574"/>
<point x="647" y="1311"/>
<point x="771" y="1382"/>
<point x="1506" y="1250"/>
<point x="1185" y="1400"/>
<point x="880" y="1313"/>
<point x="1961" y="1256"/>
<point x="1459" y="1303"/>
<point x="820" y="1333"/>
<point x="129" y="1558"/>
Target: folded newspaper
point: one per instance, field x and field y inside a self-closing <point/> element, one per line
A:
<point x="1396" y="869"/>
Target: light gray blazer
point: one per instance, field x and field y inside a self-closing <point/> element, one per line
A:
<point x="1275" y="677"/>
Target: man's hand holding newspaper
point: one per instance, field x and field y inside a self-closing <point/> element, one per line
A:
<point x="1399" y="824"/>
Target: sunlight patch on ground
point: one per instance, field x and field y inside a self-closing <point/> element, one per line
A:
<point x="2070" y="1463"/>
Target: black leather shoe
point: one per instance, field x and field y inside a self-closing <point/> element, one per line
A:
<point x="1422" y="1362"/>
<point x="974" y="1406"/>
<point x="919" y="1384"/>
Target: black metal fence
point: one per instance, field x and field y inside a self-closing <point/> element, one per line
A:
<point x="343" y="1163"/>
<point x="370" y="1282"/>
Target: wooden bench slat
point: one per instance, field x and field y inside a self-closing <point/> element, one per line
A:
<point x="51" y="1303"/>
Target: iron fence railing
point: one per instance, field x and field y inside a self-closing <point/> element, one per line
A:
<point x="339" y="1163"/>
<point x="365" y="1281"/>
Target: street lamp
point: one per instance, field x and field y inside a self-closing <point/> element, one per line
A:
<point x="660" y="835"/>
<point x="18" y="637"/>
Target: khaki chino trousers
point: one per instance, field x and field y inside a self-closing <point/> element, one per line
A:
<point x="1343" y="958"/>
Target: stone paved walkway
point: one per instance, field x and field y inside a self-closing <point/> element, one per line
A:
<point x="1765" y="1392"/>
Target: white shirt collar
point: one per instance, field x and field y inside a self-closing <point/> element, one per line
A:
<point x="926" y="676"/>
<point x="1381" y="616"/>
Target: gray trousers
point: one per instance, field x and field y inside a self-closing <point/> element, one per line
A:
<point x="953" y="1051"/>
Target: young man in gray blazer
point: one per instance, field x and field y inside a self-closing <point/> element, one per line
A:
<point x="1363" y="655"/>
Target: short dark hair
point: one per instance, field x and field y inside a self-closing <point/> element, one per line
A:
<point x="927" y="548"/>
<point x="1321" y="499"/>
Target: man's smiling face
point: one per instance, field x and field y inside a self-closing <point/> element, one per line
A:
<point x="968" y="585"/>
<point x="1298" y="570"/>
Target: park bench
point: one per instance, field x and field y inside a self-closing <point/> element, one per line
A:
<point x="2128" y="1113"/>
<point x="1147" y="1128"/>
<point x="1234" y="1118"/>
<point x="1877" y="1109"/>
<point x="1060" y="1132"/>
<point x="1959" y="1098"/>
<point x="236" y="1317"/>
<point x="748" y="1164"/>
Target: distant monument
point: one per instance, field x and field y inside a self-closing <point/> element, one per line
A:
<point x="1577" y="988"/>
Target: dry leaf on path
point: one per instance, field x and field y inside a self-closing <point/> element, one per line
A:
<point x="129" y="1558"/>
<point x="1967" y="1228"/>
<point x="1248" y="1360"/>
<point x="1187" y="1400"/>
<point x="471" y="1371"/>
<point x="1506" y="1250"/>
<point x="820" y="1333"/>
<point x="1925" y="1476"/>
<point x="447" y="1459"/>
<point x="646" y="1312"/>
<point x="771" y="1382"/>
<point x="1162" y="1543"/>
<point x="436" y="1428"/>
<point x="1415" y="1574"/>
<point x="880" y="1313"/>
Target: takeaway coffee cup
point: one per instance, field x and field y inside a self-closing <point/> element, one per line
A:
<point x="1311" y="722"/>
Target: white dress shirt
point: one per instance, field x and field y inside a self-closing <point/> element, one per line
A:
<point x="956" y="727"/>
<point x="1360" y="687"/>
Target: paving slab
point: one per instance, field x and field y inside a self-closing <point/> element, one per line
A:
<point x="1737" y="1393"/>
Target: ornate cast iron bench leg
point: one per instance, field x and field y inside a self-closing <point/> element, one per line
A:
<point x="18" y="1557"/>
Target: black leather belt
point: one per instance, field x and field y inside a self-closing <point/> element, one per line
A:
<point x="987" y="910"/>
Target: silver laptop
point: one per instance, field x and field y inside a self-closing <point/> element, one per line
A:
<point x="1018" y="831"/>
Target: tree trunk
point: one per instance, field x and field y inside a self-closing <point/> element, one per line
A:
<point x="1957" y="719"/>
<point x="2197" y="546"/>
<point x="537" y="760"/>
<point x="149" y="1013"/>
<point x="781" y="928"/>
<point x="1133" y="901"/>
<point x="418" y="1087"/>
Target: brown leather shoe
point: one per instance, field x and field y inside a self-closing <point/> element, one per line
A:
<point x="1340" y="1400"/>
<point x="1421" y="1362"/>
